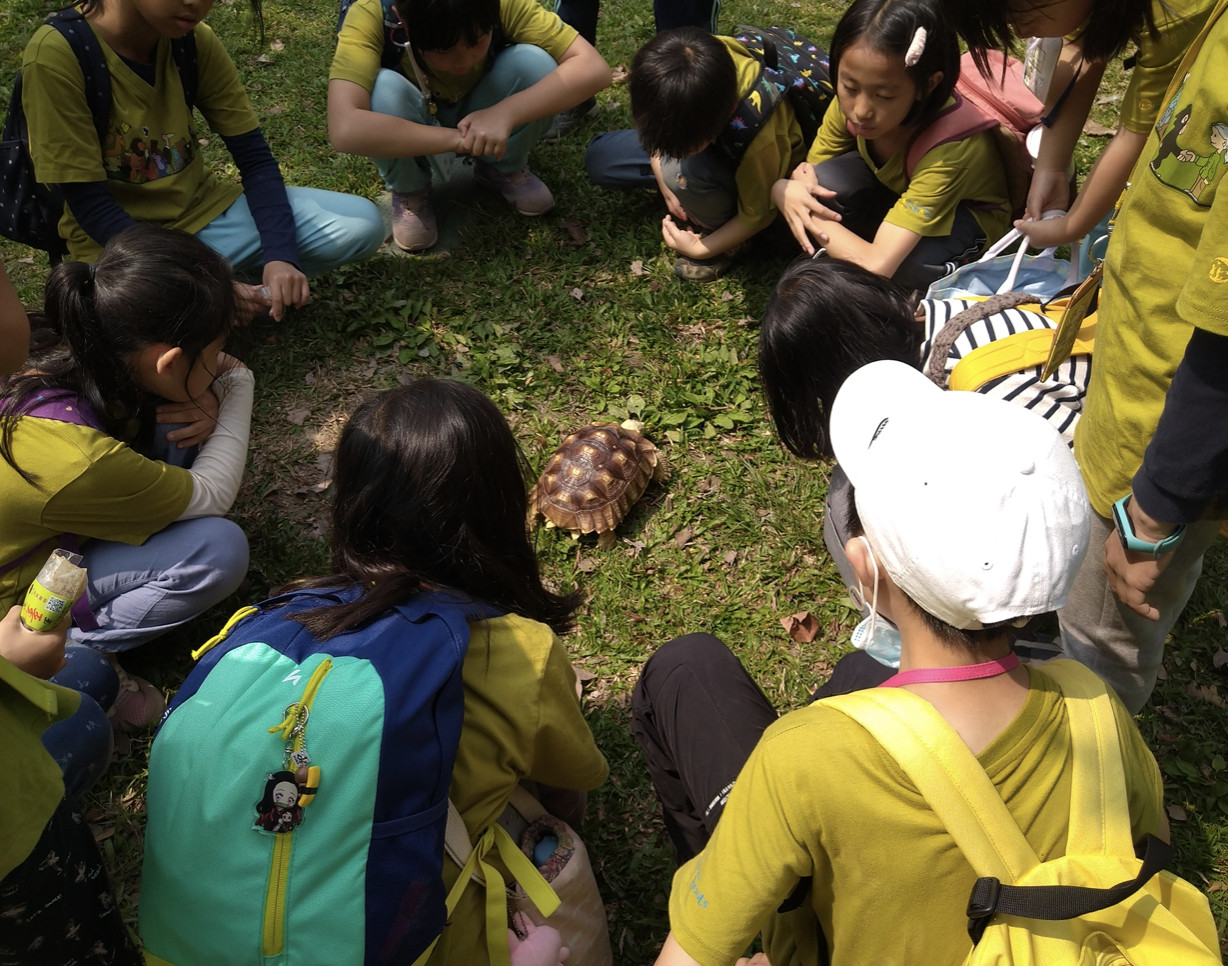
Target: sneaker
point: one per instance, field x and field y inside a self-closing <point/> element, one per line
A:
<point x="567" y="121"/>
<point x="706" y="270"/>
<point x="522" y="189"/>
<point x="138" y="705"/>
<point x="413" y="220"/>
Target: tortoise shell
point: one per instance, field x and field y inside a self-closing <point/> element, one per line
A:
<point x="594" y="478"/>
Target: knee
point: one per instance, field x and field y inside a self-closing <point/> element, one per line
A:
<point x="524" y="63"/>
<point x="222" y="558"/>
<point x="392" y="93"/>
<point x="615" y="159"/>
<point x="678" y="658"/>
<point x="89" y="671"/>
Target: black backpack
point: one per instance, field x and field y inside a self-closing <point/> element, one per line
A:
<point x="793" y="67"/>
<point x="29" y="211"/>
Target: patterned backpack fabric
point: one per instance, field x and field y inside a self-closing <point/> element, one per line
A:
<point x="29" y="211"/>
<point x="793" y="67"/>
<point x="298" y="789"/>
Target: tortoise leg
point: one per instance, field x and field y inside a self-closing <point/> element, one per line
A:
<point x="606" y="540"/>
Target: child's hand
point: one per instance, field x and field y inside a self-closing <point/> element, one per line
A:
<point x="286" y="286"/>
<point x="541" y="946"/>
<point x="40" y="653"/>
<point x="200" y="414"/>
<point x="759" y="959"/>
<point x="684" y="241"/>
<point x="485" y="132"/>
<point x="798" y="199"/>
<point x="1046" y="234"/>
<point x="1049" y="190"/>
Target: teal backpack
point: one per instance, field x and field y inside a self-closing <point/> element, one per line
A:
<point x="298" y="789"/>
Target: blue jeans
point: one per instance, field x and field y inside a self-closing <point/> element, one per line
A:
<point x="81" y="744"/>
<point x="331" y="229"/>
<point x="514" y="69"/>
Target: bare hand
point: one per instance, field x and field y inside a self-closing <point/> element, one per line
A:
<point x="1048" y="233"/>
<point x="200" y="414"/>
<point x="286" y="286"/>
<point x="484" y="133"/>
<point x="1132" y="575"/>
<point x="685" y="241"/>
<point x="40" y="653"/>
<point x="1049" y="191"/>
<point x="799" y="200"/>
<point x="759" y="959"/>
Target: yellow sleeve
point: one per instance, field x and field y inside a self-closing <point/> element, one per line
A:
<point x="63" y="140"/>
<point x="1179" y="23"/>
<point x="1203" y="301"/>
<point x="528" y="22"/>
<point x="967" y="170"/>
<point x="120" y="496"/>
<point x="565" y="753"/>
<point x="220" y="94"/>
<point x="772" y="154"/>
<point x="360" y="45"/>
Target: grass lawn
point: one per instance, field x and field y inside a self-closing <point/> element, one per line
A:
<point x="564" y="320"/>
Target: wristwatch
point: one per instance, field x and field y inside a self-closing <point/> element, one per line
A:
<point x="1129" y="540"/>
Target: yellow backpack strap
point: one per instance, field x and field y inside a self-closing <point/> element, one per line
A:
<point x="947" y="774"/>
<point x="1014" y="353"/>
<point x="1099" y="813"/>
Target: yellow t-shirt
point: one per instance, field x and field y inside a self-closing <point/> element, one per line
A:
<point x="88" y="484"/>
<point x="960" y="171"/>
<point x="150" y="161"/>
<point x="522" y="720"/>
<point x="34" y="784"/>
<point x="1166" y="271"/>
<point x="361" y="42"/>
<point x="773" y="152"/>
<point x="1178" y="23"/>
<point x="820" y="797"/>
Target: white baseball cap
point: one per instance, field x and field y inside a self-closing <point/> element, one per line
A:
<point x="974" y="506"/>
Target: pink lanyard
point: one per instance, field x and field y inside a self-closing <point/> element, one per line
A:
<point x="966" y="672"/>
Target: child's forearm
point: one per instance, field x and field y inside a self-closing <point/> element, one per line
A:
<point x="353" y="128"/>
<point x="731" y="234"/>
<point x="1105" y="182"/>
<point x="1058" y="141"/>
<point x="883" y="256"/>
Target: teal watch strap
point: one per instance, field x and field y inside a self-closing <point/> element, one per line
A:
<point x="1129" y="540"/>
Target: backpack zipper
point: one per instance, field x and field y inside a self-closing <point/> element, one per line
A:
<point x="273" y="935"/>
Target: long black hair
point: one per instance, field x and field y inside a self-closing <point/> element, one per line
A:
<point x="986" y="25"/>
<point x="826" y="319"/>
<point x="890" y="26"/>
<point x="150" y="286"/>
<point x="429" y="492"/>
<point x="442" y="24"/>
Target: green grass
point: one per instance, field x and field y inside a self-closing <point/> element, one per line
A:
<point x="564" y="320"/>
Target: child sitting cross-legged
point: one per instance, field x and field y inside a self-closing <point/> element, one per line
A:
<point x="971" y="514"/>
<point x="686" y="90"/>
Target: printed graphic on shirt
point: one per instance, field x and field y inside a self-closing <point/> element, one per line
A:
<point x="1193" y="151"/>
<point x="138" y="156"/>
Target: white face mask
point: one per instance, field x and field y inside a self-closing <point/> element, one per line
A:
<point x="876" y="635"/>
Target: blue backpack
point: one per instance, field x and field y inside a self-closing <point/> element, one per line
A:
<point x="298" y="788"/>
<point x="30" y="212"/>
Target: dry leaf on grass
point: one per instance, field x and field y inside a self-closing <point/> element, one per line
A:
<point x="297" y="416"/>
<point x="1177" y="813"/>
<point x="620" y="74"/>
<point x="1220" y="658"/>
<point x="576" y="235"/>
<point x="801" y="627"/>
<point x="1097" y="130"/>
<point x="683" y="537"/>
<point x="577" y="294"/>
<point x="555" y="363"/>
<point x="637" y="267"/>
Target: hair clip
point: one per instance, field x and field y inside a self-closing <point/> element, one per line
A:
<point x="916" y="48"/>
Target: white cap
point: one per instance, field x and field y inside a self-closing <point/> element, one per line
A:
<point x="974" y="506"/>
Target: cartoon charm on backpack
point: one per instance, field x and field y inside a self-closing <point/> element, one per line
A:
<point x="278" y="809"/>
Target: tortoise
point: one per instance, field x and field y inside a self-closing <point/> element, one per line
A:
<point x="594" y="478"/>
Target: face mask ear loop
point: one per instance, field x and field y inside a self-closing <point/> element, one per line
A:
<point x="874" y="592"/>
